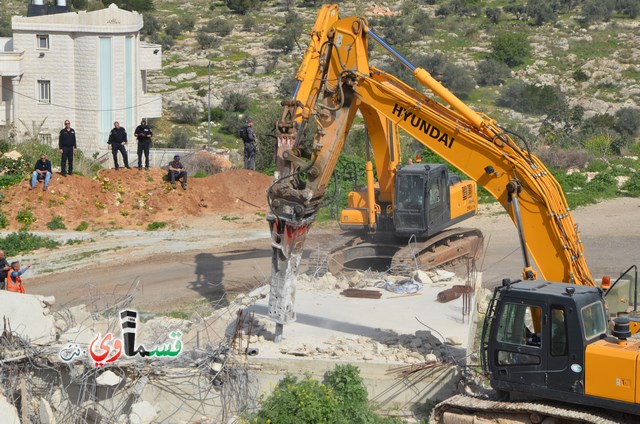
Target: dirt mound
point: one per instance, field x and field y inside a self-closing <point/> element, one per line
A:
<point x="129" y="198"/>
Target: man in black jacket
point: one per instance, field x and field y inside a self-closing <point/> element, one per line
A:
<point x="67" y="144"/>
<point x="143" y="133"/>
<point x="42" y="171"/>
<point x="4" y="269"/>
<point x="117" y="139"/>
<point x="177" y="172"/>
<point x="249" y="139"/>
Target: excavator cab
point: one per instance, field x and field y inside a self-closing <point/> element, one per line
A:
<point x="550" y="340"/>
<point x="428" y="199"/>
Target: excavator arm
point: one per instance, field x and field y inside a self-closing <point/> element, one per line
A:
<point x="334" y="82"/>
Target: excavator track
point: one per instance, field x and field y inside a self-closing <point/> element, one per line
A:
<point x="444" y="248"/>
<point x="463" y="409"/>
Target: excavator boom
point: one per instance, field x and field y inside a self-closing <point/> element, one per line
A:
<point x="334" y="82"/>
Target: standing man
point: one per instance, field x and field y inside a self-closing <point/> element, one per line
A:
<point x="67" y="144"/>
<point x="42" y="170"/>
<point x="176" y="172"/>
<point x="143" y="133"/>
<point x="4" y="269"/>
<point x="249" y="139"/>
<point x="117" y="139"/>
<point x="14" y="277"/>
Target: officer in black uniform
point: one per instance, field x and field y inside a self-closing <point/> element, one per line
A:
<point x="143" y="133"/>
<point x="117" y="139"/>
<point x="67" y="144"/>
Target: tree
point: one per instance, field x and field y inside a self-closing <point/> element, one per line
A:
<point x="542" y="11"/>
<point x="179" y="138"/>
<point x="242" y="6"/>
<point x="289" y="35"/>
<point x="135" y="5"/>
<point x="235" y="102"/>
<point x="511" y="48"/>
<point x="458" y="80"/>
<point x="628" y="121"/>
<point x="597" y="10"/>
<point x="493" y="14"/>
<point x="186" y="113"/>
<point x="492" y="72"/>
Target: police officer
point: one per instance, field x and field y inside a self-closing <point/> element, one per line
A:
<point x="67" y="144"/>
<point x="143" y="133"/>
<point x="249" y="140"/>
<point x="117" y="139"/>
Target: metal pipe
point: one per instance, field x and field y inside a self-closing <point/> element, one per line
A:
<point x="209" y="108"/>
<point x="516" y="213"/>
<point x="391" y="50"/>
<point x="295" y="90"/>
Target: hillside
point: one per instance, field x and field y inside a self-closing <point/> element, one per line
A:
<point x="132" y="199"/>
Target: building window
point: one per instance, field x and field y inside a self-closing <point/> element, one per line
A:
<point x="44" y="91"/>
<point x="45" y="139"/>
<point x="43" y="42"/>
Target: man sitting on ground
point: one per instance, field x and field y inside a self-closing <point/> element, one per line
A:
<point x="177" y="172"/>
<point x="42" y="171"/>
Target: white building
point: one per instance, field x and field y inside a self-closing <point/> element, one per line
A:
<point x="87" y="67"/>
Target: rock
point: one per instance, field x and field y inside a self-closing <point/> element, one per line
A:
<point x="108" y="378"/>
<point x="46" y="414"/>
<point x="142" y="413"/>
<point x="422" y="278"/>
<point x="415" y="343"/>
<point x="430" y="358"/>
<point x="28" y="318"/>
<point x="8" y="412"/>
<point x="453" y="341"/>
<point x="442" y="275"/>
<point x="48" y="300"/>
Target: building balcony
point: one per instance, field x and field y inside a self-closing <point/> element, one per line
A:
<point x="10" y="61"/>
<point x="150" y="56"/>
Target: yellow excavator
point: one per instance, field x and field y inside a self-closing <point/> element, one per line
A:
<point x="546" y="335"/>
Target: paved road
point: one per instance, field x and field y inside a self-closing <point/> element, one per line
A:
<point x="610" y="233"/>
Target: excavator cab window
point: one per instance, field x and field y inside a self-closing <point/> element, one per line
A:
<point x="517" y="326"/>
<point x="558" y="332"/>
<point x="593" y="320"/>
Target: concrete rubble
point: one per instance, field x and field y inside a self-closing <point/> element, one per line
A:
<point x="213" y="377"/>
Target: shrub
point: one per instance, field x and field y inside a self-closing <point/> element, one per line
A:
<point x="288" y="36"/>
<point x="580" y="76"/>
<point x="4" y="221"/>
<point x="492" y="72"/>
<point x="173" y="28"/>
<point x="597" y="10"/>
<point x="25" y="217"/>
<point x="528" y="98"/>
<point x="555" y="157"/>
<point x="542" y="11"/>
<point x="235" y="102"/>
<point x="56" y="224"/>
<point x="248" y="23"/>
<point x="82" y="226"/>
<point x="627" y="121"/>
<point x="156" y="225"/>
<point x="242" y="6"/>
<point x="207" y="41"/>
<point x="151" y="24"/>
<point x="632" y="186"/>
<point x="187" y="22"/>
<point x="511" y="48"/>
<point x="458" y="80"/>
<point x="599" y="145"/>
<point x="179" y="138"/>
<point x="22" y="242"/>
<point x="186" y="113"/>
<point x="493" y="14"/>
<point x="251" y="65"/>
<point x="231" y="124"/>
<point x="135" y="5"/>
<point x="219" y="26"/>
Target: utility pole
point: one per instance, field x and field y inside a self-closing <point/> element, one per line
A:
<point x="209" y="108"/>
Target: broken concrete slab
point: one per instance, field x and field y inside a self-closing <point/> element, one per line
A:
<point x="28" y="316"/>
<point x="46" y="414"/>
<point x="142" y="413"/>
<point x="8" y="412"/>
<point x="108" y="378"/>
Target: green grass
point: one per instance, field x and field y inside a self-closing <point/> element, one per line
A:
<point x="156" y="225"/>
<point x="24" y="242"/>
<point x="89" y="253"/>
<point x="602" y="45"/>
